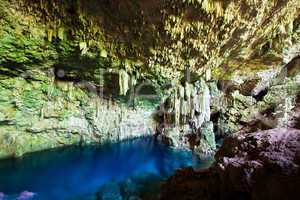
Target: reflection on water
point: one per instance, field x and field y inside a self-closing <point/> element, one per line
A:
<point x="72" y="171"/>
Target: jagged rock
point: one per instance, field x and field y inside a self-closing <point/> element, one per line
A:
<point x="174" y="137"/>
<point x="207" y="142"/>
<point x="216" y="97"/>
<point x="295" y="116"/>
<point x="227" y="86"/>
<point x="260" y="166"/>
<point x="291" y="52"/>
<point x="272" y="109"/>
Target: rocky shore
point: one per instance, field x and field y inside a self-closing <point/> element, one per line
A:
<point x="256" y="166"/>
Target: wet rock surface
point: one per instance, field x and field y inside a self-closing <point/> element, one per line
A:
<point x="260" y="166"/>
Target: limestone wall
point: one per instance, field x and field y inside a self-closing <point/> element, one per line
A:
<point x="42" y="114"/>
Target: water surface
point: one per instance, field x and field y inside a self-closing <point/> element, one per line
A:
<point x="78" y="171"/>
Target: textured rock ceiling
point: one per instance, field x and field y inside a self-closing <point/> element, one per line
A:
<point x="162" y="36"/>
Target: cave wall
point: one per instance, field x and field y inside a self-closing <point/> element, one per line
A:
<point x="56" y="57"/>
<point x="41" y="113"/>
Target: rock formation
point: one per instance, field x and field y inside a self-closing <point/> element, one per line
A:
<point x="185" y="118"/>
<point x="189" y="72"/>
<point x="261" y="165"/>
<point x="69" y="70"/>
<point x="38" y="114"/>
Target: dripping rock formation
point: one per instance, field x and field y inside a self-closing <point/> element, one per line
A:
<point x="76" y="72"/>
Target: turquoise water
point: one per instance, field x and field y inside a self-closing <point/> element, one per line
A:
<point x="74" y="172"/>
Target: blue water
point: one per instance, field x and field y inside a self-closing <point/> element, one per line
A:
<point x="78" y="171"/>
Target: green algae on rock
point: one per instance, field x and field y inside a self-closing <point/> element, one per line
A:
<point x="37" y="115"/>
<point x="57" y="57"/>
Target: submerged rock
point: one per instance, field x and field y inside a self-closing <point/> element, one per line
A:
<point x="26" y="195"/>
<point x="1" y="196"/>
<point x="110" y="191"/>
<point x="264" y="165"/>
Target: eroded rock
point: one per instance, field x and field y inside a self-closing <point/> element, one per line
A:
<point x="264" y="165"/>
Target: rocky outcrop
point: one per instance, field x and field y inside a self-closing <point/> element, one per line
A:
<point x="263" y="165"/>
<point x="185" y="118"/>
<point x="268" y="104"/>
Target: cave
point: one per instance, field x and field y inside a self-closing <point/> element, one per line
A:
<point x="149" y="100"/>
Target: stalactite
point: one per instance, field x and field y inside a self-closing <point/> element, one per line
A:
<point x="50" y="35"/>
<point x="97" y="107"/>
<point x="177" y="110"/>
<point x="123" y="82"/>
<point x="61" y="33"/>
<point x="42" y="113"/>
<point x="181" y="100"/>
<point x="187" y="92"/>
<point x="208" y="75"/>
<point x="204" y="103"/>
<point x="192" y="101"/>
<point x="181" y="92"/>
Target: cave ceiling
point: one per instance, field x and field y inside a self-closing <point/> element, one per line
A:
<point x="163" y="37"/>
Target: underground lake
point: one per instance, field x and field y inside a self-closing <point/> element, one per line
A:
<point x="149" y="99"/>
<point x="131" y="168"/>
